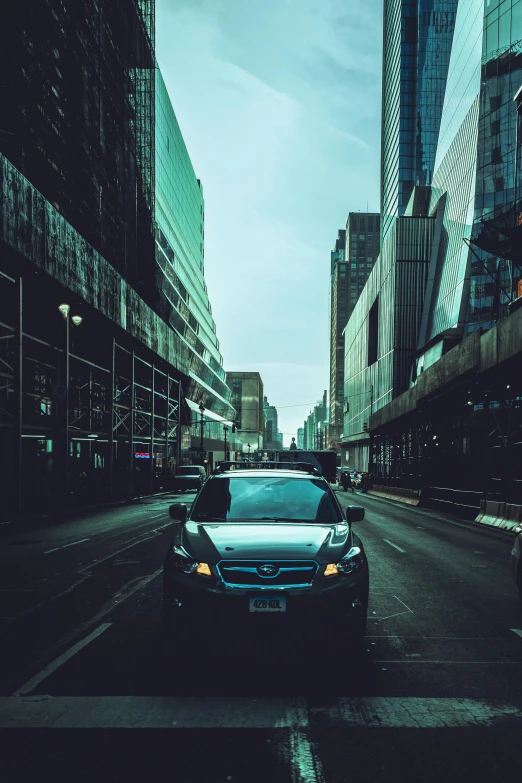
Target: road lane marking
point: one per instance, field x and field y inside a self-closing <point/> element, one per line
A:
<point x="402" y="602"/>
<point x="128" y="545"/>
<point x="56" y="548"/>
<point x="393" y="545"/>
<point x="462" y="663"/>
<point x="387" y="616"/>
<point x="157" y="516"/>
<point x="300" y="754"/>
<point x="51" y="667"/>
<point x="517" y="631"/>
<point x="169" y="712"/>
<point x="185" y="712"/>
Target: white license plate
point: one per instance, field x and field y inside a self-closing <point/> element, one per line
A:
<point x="268" y="604"/>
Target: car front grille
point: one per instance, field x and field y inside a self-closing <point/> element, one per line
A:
<point x="249" y="573"/>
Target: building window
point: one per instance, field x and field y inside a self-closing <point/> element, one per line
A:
<point x="373" y="332"/>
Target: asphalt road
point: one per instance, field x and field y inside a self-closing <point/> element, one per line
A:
<point x="88" y="688"/>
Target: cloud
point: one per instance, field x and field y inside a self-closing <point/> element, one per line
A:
<point x="279" y="105"/>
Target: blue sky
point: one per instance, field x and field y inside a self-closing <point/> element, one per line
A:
<point x="279" y="104"/>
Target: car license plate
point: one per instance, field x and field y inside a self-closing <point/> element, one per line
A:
<point x="268" y="604"/>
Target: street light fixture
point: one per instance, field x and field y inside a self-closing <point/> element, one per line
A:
<point x="65" y="309"/>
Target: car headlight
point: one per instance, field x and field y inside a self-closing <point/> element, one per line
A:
<point x="186" y="565"/>
<point x="352" y="561"/>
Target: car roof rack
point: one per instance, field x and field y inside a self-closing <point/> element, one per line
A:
<point x="306" y="467"/>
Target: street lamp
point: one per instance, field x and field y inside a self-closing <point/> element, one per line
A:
<point x="76" y="319"/>
<point x="248" y="444"/>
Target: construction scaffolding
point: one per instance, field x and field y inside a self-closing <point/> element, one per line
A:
<point x="77" y="88"/>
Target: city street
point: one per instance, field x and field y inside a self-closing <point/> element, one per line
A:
<point x="88" y="688"/>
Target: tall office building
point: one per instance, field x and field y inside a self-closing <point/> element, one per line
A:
<point x="417" y="41"/>
<point x="355" y="252"/>
<point x="97" y="389"/>
<point x="432" y="367"/>
<point x="180" y="278"/>
<point x="247" y="399"/>
<point x="271" y="437"/>
<point x="496" y="266"/>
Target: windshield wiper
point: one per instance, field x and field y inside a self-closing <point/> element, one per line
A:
<point x="283" y="519"/>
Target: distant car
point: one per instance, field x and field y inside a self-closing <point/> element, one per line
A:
<point x="189" y="478"/>
<point x="266" y="541"/>
<point x="516" y="561"/>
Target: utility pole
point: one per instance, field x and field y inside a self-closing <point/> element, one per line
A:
<point x="225" y="430"/>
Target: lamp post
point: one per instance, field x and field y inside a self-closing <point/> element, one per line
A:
<point x="76" y="319"/>
<point x="201" y="423"/>
<point x="225" y="430"/>
<point x="248" y="444"/>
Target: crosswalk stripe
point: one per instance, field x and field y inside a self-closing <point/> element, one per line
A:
<point x="185" y="712"/>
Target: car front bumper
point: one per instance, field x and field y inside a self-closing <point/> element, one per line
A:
<point x="321" y="603"/>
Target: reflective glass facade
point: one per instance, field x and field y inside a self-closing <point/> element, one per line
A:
<point x="454" y="176"/>
<point x="183" y="298"/>
<point x="496" y="265"/>
<point x="417" y="43"/>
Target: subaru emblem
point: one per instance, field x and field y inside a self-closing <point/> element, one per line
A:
<point x="268" y="570"/>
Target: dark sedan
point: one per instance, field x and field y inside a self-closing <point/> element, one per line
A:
<point x="267" y="541"/>
<point x="189" y="478"/>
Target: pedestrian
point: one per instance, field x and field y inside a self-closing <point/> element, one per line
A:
<point x="346" y="481"/>
<point x="364" y="482"/>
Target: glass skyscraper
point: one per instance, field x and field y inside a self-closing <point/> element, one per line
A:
<point x="180" y="235"/>
<point x="497" y="263"/>
<point x="418" y="36"/>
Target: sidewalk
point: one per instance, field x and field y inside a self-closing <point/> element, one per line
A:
<point x="441" y="515"/>
<point x="60" y="515"/>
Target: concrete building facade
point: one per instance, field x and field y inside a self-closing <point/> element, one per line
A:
<point x="247" y="399"/>
<point x="351" y="265"/>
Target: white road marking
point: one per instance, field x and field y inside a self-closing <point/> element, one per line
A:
<point x="387" y="616"/>
<point x="157" y="516"/>
<point x="171" y="712"/>
<point x="463" y="663"/>
<point x="56" y="548"/>
<point x="128" y="545"/>
<point x="402" y="602"/>
<point x="393" y="545"/>
<point x="50" y="668"/>
<point x="418" y="713"/>
<point x="303" y="759"/>
<point x="517" y="631"/>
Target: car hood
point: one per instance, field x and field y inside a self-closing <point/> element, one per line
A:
<point x="212" y="542"/>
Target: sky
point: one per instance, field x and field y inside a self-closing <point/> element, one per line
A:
<point x="279" y="104"/>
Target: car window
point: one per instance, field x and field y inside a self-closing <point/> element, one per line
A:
<point x="273" y="498"/>
<point x="188" y="472"/>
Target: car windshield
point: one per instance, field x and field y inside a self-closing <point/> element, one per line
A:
<point x="270" y="498"/>
<point x="187" y="472"/>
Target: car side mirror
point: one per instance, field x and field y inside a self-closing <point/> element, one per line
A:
<point x="354" y="513"/>
<point x="178" y="512"/>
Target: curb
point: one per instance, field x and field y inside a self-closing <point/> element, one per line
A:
<point x="500" y="532"/>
